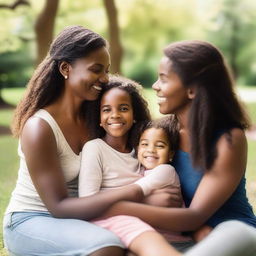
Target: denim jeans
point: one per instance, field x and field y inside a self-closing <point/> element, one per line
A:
<point x="38" y="233"/>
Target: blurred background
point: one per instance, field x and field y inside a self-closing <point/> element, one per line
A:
<point x="137" y="31"/>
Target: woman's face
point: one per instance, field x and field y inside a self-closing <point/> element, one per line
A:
<point x="172" y="95"/>
<point x="86" y="75"/>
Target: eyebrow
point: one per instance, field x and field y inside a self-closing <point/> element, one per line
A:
<point x="123" y="104"/>
<point x="161" y="141"/>
<point x="162" y="74"/>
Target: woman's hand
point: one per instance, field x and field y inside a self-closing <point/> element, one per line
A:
<point x="166" y="197"/>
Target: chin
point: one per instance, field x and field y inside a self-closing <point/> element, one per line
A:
<point x="164" y="111"/>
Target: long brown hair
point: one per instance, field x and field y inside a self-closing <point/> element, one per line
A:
<point x="215" y="107"/>
<point x="47" y="83"/>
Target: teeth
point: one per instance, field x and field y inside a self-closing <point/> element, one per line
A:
<point x="116" y="125"/>
<point x="97" y="87"/>
<point x="150" y="158"/>
<point x="161" y="100"/>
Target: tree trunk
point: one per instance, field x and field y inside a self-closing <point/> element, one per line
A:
<point x="116" y="49"/>
<point x="44" y="28"/>
<point x="234" y="45"/>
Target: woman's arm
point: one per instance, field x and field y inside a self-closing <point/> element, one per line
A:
<point x="40" y="150"/>
<point x="216" y="186"/>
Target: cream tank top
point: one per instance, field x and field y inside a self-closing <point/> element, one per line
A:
<point x="25" y="197"/>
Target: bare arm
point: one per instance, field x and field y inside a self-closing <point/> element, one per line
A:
<point x="40" y="149"/>
<point x="216" y="186"/>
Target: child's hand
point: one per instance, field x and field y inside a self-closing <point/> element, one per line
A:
<point x="169" y="196"/>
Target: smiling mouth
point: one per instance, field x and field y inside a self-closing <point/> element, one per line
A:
<point x="161" y="100"/>
<point x="150" y="158"/>
<point x="116" y="125"/>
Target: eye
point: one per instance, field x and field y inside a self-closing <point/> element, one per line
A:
<point x="143" y="144"/>
<point x="124" y="109"/>
<point x="160" y="146"/>
<point x="105" y="110"/>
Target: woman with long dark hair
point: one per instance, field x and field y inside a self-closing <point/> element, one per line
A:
<point x="45" y="215"/>
<point x="194" y="84"/>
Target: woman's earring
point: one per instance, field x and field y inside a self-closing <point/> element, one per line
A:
<point x="134" y="121"/>
<point x="101" y="124"/>
<point x="66" y="76"/>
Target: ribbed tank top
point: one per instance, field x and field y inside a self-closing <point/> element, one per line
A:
<point x="25" y="197"/>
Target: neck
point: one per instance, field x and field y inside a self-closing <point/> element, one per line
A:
<point x="183" y="118"/>
<point x="66" y="106"/>
<point x="117" y="143"/>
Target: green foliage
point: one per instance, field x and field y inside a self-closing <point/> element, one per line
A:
<point x="15" y="68"/>
<point x="234" y="33"/>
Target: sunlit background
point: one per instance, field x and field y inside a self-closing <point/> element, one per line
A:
<point x="137" y="31"/>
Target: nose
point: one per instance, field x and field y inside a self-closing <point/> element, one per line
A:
<point x="115" y="114"/>
<point x="155" y="86"/>
<point x="104" y="78"/>
<point x="151" y="148"/>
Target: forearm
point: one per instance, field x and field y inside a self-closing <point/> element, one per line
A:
<point x="173" y="219"/>
<point x="93" y="206"/>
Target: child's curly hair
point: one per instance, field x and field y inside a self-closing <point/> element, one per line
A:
<point x="139" y="105"/>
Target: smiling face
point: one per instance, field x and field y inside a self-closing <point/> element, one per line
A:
<point x="172" y="95"/>
<point x="86" y="75"/>
<point x="154" y="148"/>
<point x="116" y="114"/>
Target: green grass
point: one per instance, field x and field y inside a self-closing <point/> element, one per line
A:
<point x="251" y="108"/>
<point x="9" y="159"/>
<point x="13" y="95"/>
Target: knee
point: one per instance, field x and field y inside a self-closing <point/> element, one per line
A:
<point x="234" y="226"/>
<point x="238" y="228"/>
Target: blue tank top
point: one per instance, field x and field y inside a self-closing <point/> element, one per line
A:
<point x="236" y="207"/>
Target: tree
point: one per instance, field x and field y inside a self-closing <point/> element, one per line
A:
<point x="235" y="35"/>
<point x="44" y="28"/>
<point x="116" y="50"/>
<point x="13" y="6"/>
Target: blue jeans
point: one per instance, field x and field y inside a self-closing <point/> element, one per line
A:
<point x="38" y="233"/>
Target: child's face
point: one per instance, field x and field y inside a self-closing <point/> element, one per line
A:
<point x="154" y="148"/>
<point x="116" y="113"/>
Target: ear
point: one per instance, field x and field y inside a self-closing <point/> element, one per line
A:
<point x="171" y="155"/>
<point x="191" y="92"/>
<point x="64" y="69"/>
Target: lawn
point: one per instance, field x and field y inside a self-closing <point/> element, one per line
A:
<point x="9" y="159"/>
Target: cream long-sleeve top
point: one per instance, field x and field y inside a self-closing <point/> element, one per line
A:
<point x="103" y="167"/>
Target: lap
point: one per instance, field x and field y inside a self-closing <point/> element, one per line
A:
<point x="228" y="238"/>
<point x="38" y="233"/>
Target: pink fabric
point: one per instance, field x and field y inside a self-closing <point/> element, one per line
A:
<point x="125" y="227"/>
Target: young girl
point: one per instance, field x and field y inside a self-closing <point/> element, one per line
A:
<point x="109" y="162"/>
